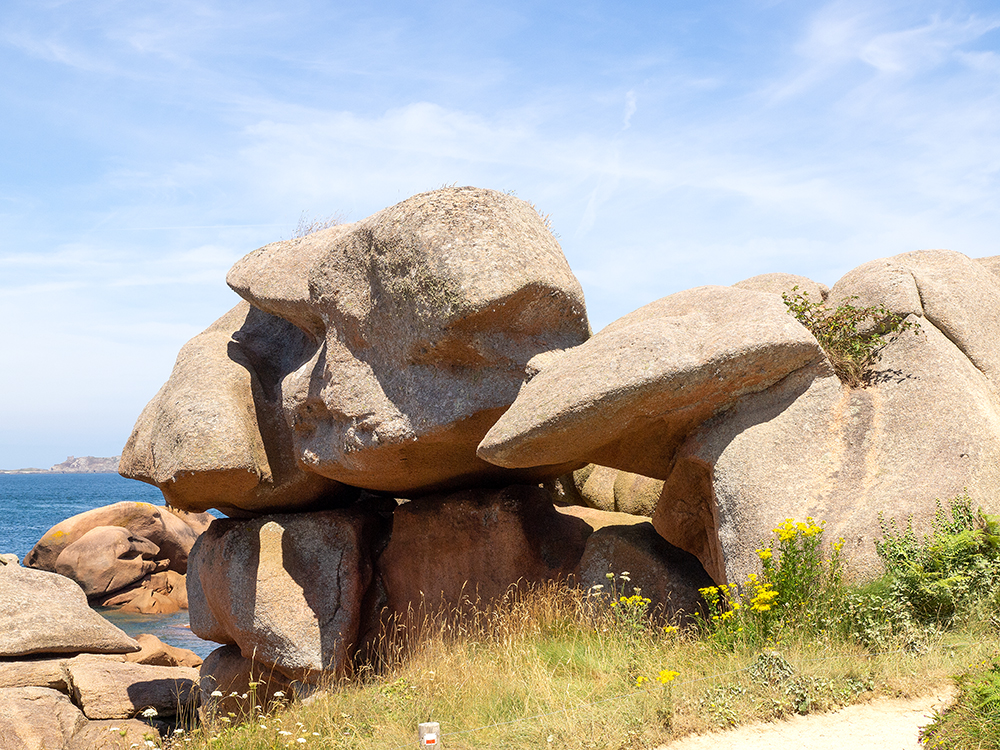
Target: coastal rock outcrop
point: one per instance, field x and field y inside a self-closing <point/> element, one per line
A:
<point x="64" y="669"/>
<point x="378" y="413"/>
<point x="925" y="427"/>
<point x="173" y="534"/>
<point x="155" y="594"/>
<point x="129" y="555"/>
<point x="108" y="558"/>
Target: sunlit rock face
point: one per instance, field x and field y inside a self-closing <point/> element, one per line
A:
<point x="215" y="436"/>
<point x="372" y="355"/>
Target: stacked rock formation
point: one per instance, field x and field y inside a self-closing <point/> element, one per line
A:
<point x="395" y="411"/>
<point x="73" y="681"/>
<point x="335" y="415"/>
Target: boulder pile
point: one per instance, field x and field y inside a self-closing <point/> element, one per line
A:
<point x="411" y="411"/>
<point x="131" y="556"/>
<point x="70" y="680"/>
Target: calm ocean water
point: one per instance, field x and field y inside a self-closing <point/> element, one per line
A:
<point x="31" y="504"/>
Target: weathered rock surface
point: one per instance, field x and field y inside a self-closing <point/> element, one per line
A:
<point x="111" y="689"/>
<point x="114" y="734"/>
<point x="215" y="437"/>
<point x="39" y="671"/>
<point x="230" y="674"/>
<point x="992" y="263"/>
<point x="425" y="315"/>
<point x="172" y="534"/>
<point x="159" y="654"/>
<point x="951" y="291"/>
<point x="287" y="589"/>
<point x="43" y="612"/>
<point x="156" y="594"/>
<point x="628" y="397"/>
<point x="476" y="543"/>
<point x="604" y="488"/>
<point x="666" y="575"/>
<point x="785" y="283"/>
<point x="108" y="558"/>
<point x="926" y="427"/>
<point x="36" y="718"/>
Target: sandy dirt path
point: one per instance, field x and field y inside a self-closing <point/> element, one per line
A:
<point x="882" y="724"/>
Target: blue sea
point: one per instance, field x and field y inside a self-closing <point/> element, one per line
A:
<point x="31" y="504"/>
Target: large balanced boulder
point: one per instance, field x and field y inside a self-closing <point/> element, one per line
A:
<point x="215" y="435"/>
<point x="926" y="427"/>
<point x="42" y="612"/>
<point x="473" y="545"/>
<point x="425" y="316"/>
<point x="173" y="534"/>
<point x="628" y="397"/>
<point x="375" y="355"/>
<point x="287" y="589"/>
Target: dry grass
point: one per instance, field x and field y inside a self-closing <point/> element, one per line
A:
<point x="552" y="668"/>
<point x="308" y="225"/>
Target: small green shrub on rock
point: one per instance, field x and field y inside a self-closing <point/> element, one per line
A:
<point x="852" y="337"/>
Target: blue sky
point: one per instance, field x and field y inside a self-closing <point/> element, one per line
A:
<point x="147" y="146"/>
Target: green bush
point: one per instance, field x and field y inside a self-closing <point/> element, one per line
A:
<point x="948" y="571"/>
<point x="852" y="337"/>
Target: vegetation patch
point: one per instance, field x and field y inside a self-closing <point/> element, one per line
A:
<point x="851" y="336"/>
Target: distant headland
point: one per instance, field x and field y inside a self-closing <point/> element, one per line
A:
<point x="74" y="465"/>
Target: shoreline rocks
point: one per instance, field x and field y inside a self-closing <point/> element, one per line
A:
<point x="64" y="669"/>
<point x="130" y="555"/>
